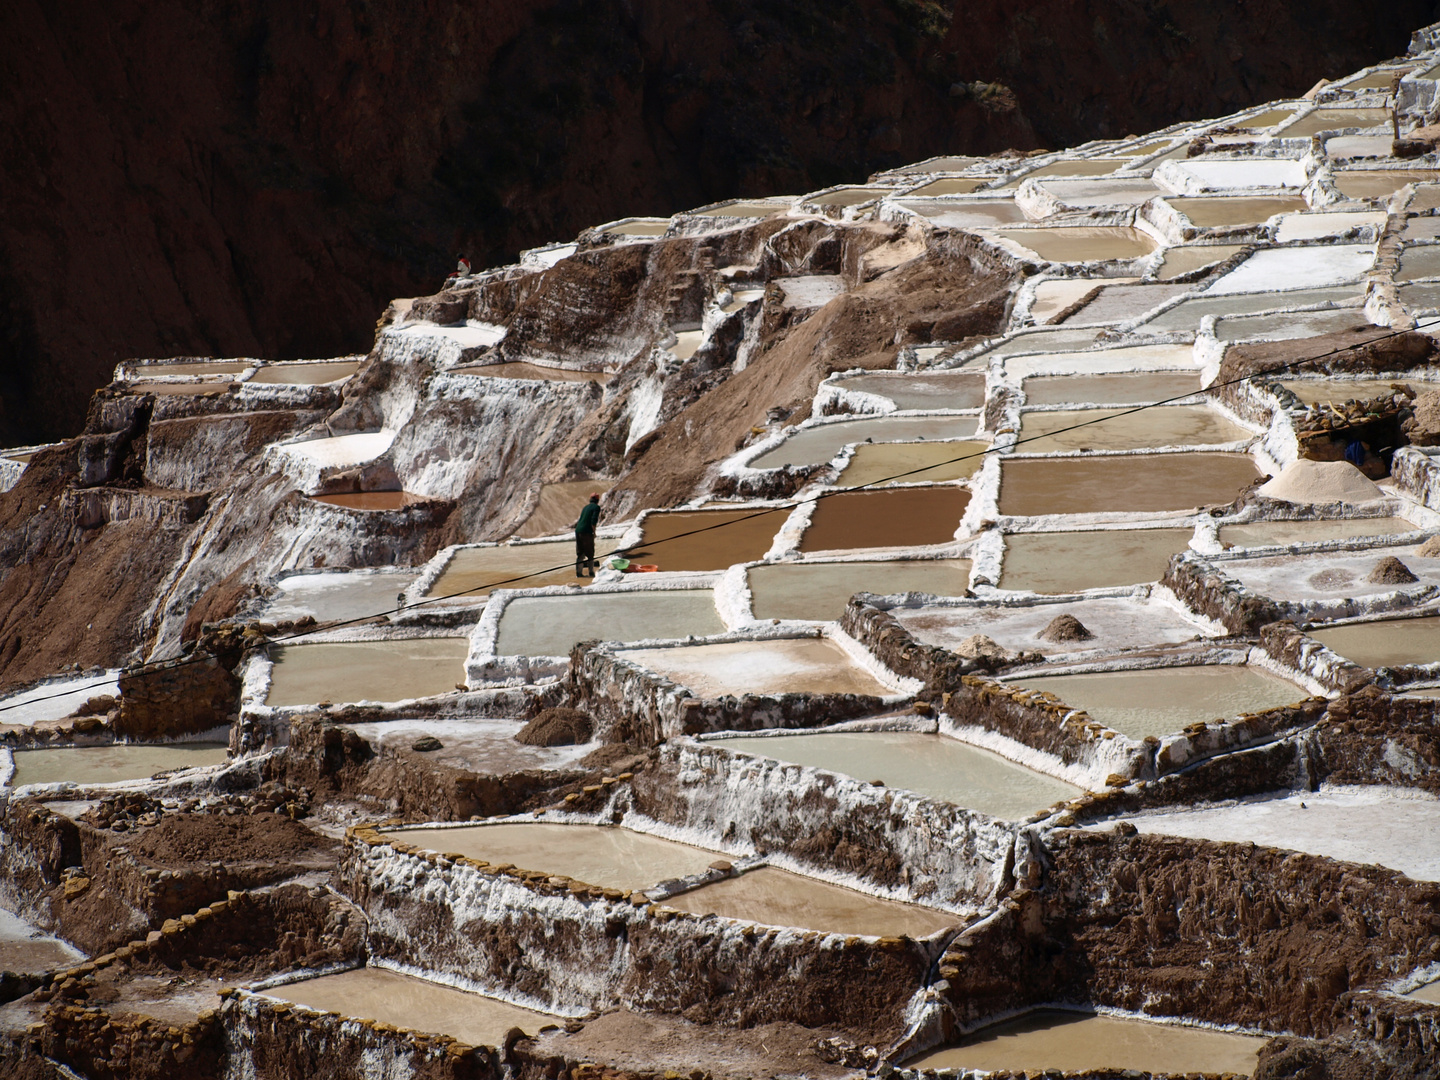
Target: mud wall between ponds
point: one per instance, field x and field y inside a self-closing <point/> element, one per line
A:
<point x="1134" y="922"/>
<point x="570" y="948"/>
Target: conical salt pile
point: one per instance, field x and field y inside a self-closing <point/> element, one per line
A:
<point x="1306" y="481"/>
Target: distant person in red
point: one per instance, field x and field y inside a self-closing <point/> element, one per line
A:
<point x="462" y="268"/>
<point x="585" y="537"/>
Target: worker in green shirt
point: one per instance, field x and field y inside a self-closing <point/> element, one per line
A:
<point x="585" y="537"/>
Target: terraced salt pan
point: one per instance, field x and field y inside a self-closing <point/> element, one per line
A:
<point x="1114" y="623"/>
<point x="1429" y="993"/>
<point x="1421" y="228"/>
<point x="898" y="517"/>
<point x="476" y="571"/>
<point x="950" y="186"/>
<point x="721" y="538"/>
<point x="1290" y="325"/>
<point x="1074" y="167"/>
<point x="1039" y="341"/>
<point x="853" y="196"/>
<point x="484" y="747"/>
<point x="923" y="390"/>
<point x="610" y="857"/>
<point x="1380" y="183"/>
<point x="1185" y="260"/>
<point x="1132" y="483"/>
<point x="1219" y="174"/>
<point x="416" y="1004"/>
<point x="934" y="765"/>
<point x="1094" y="193"/>
<point x="87" y="765"/>
<point x="57" y="698"/>
<point x="218" y="367"/>
<point x="1422" y="261"/>
<point x="1388" y="643"/>
<point x="1124" y="303"/>
<point x="29" y="950"/>
<point x="1111" y="429"/>
<point x="1075" y="1042"/>
<point x="912" y="463"/>
<point x="1057" y="295"/>
<point x="686" y="342"/>
<point x="1331" y="574"/>
<point x="196" y="389"/>
<point x="1185" y="316"/>
<point x="743" y="208"/>
<point x="1421" y="297"/>
<point x="305" y="374"/>
<point x="1266" y="533"/>
<point x="1234" y="211"/>
<point x="337" y="595"/>
<point x="1162" y="701"/>
<point x="1377" y="80"/>
<point x="1121" y="389"/>
<point x="370" y="500"/>
<point x="551" y="625"/>
<point x="1100" y="361"/>
<point x="1296" y="268"/>
<point x="1320" y="226"/>
<point x="1267" y="119"/>
<point x="820" y="591"/>
<point x="777" y="897"/>
<point x="340" y="451"/>
<point x="1335" y="120"/>
<point x="1358" y="146"/>
<point x="559" y="507"/>
<point x="1082" y="243"/>
<point x="1339" y="391"/>
<point x="740" y="297"/>
<point x="640" y="228"/>
<point x="1065" y="562"/>
<point x="395" y="669"/>
<point x="532" y="372"/>
<point x="816" y="445"/>
<point x="1397" y="829"/>
<point x="966" y="213"/>
<point x="785" y="666"/>
<point x="810" y="291"/>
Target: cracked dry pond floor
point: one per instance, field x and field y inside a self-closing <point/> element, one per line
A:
<point x="395" y="669"/>
<point x="786" y="666"/>
<point x="111" y="764"/>
<point x="933" y="765"/>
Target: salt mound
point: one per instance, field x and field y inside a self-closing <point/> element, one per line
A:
<point x="1306" y="481"/>
<point x="1430" y="549"/>
<point x="1391" y="571"/>
<point x="980" y="647"/>
<point x="557" y="727"/>
<point x="1066" y="628"/>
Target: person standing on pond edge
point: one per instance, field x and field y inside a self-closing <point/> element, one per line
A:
<point x="585" y="537"/>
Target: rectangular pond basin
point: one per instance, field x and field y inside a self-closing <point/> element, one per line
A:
<point x="1339" y="391"/>
<point x="912" y="463"/>
<point x="532" y="372"/>
<point x="1296" y="268"/>
<point x="197" y="389"/>
<point x="1380" y="183"/>
<point x="1083" y="243"/>
<point x="551" y="625"/>
<point x="813" y="446"/>
<point x="966" y="213"/>
<point x="777" y="897"/>
<point x="1129" y="388"/>
<point x="559" y="506"/>
<point x="477" y="571"/>
<point x="1419" y="262"/>
<point x="370" y="500"/>
<point x="820" y="591"/>
<point x="306" y="374"/>
<point x="743" y="209"/>
<point x="1134" y="483"/>
<point x="112" y="764"/>
<point x="56" y="698"/>
<point x="1235" y="211"/>
<point x="1400" y="830"/>
<point x="925" y="390"/>
<point x="1124" y="303"/>
<point x="900" y="517"/>
<point x="610" y="857"/>
<point x="1289" y="325"/>
<point x="417" y="1004"/>
<point x="26" y="949"/>
<point x="486" y="747"/>
<point x="1129" y="359"/>
<point x="1185" y="316"/>
<point x="1163" y="701"/>
<point x="640" y="228"/>
<point x="1186" y="260"/>
<point x="1074" y="167"/>
<point x="935" y="765"/>
<point x="1430" y="992"/>
<point x="1334" y="120"/>
<point x="1113" y="624"/>
<point x="1388" y="643"/>
<point x="337" y="595"/>
<point x="1086" y="193"/>
<point x="1110" y="429"/>
<point x="962" y="185"/>
<point x="339" y="451"/>
<point x="1065" y="562"/>
<point x="393" y="670"/>
<point x="1267" y="119"/>
<point x="786" y="666"/>
<point x="1267" y="533"/>
<point x="1076" y="1042"/>
<point x="218" y="367"/>
<point x="707" y="539"/>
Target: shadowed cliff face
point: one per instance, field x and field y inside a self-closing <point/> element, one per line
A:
<point x="253" y="178"/>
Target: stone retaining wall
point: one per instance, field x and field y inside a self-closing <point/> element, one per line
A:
<point x="1294" y="649"/>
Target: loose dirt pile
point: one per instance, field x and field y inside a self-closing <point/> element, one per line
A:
<point x="1391" y="571"/>
<point x="557" y="727"/>
<point x="1064" y="628"/>
<point x="1430" y="549"/>
<point x="1307" y="481"/>
<point x="242" y="838"/>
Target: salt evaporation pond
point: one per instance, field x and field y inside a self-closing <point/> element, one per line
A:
<point x="486" y="747"/>
<point x="57" y="698"/>
<point x="739" y="298"/>
<point x="1185" y="260"/>
<point x="87" y="765"/>
<point x="1334" y="120"/>
<point x="26" y="949"/>
<point x="1083" y="243"/>
<point x="640" y="228"/>
<point x="1299" y="268"/>
<point x="816" y="445"/>
<point x="1388" y="643"/>
<point x="1267" y="533"/>
<point x="935" y="765"/>
<point x="339" y="451"/>
<point x="1095" y="193"/>
<point x="197" y="389"/>
<point x="1419" y="262"/>
<point x="559" y="507"/>
<point x="1267" y="119"/>
<point x="1074" y="167"/>
<point x="1331" y="574"/>
<point x="899" y="517"/>
<point x="1400" y="830"/>
<point x="950" y="186"/>
<point x="370" y="500"/>
<point x="820" y="591"/>
<point x="777" y="897"/>
<point x="1131" y="483"/>
<point x="744" y="536"/>
<point x="1119" y="389"/>
<point x="1185" y="316"/>
<point x="686" y="343"/>
<point x="912" y="463"/>
<point x="219" y="367"/>
<point x="855" y="196"/>
<point x="1065" y="562"/>
<point x="370" y="993"/>
<point x="1326" y="225"/>
<point x="531" y="372"/>
<point x="1111" y="429"/>
<point x="1115" y="623"/>
<point x="476" y="571"/>
<point x="1132" y="358"/>
<point x="1379" y="183"/>
<point x="950" y="390"/>
<point x="305" y="374"/>
<point x="1289" y="325"/>
<point x="786" y="666"/>
<point x="1075" y="1042"/>
<point x="1162" y="701"/>
<point x="966" y="213"/>
<point x="551" y="625"/>
<point x="744" y="209"/>
<point x="1339" y="391"/>
<point x="1211" y="212"/>
<point x="1124" y="303"/>
<point x="337" y="595"/>
<point x="610" y="857"/>
<point x="1430" y="992"/>
<point x="395" y="669"/>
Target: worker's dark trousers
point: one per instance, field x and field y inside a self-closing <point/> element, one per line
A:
<point x="584" y="554"/>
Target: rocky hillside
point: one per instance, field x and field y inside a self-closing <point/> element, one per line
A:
<point x="249" y="178"/>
